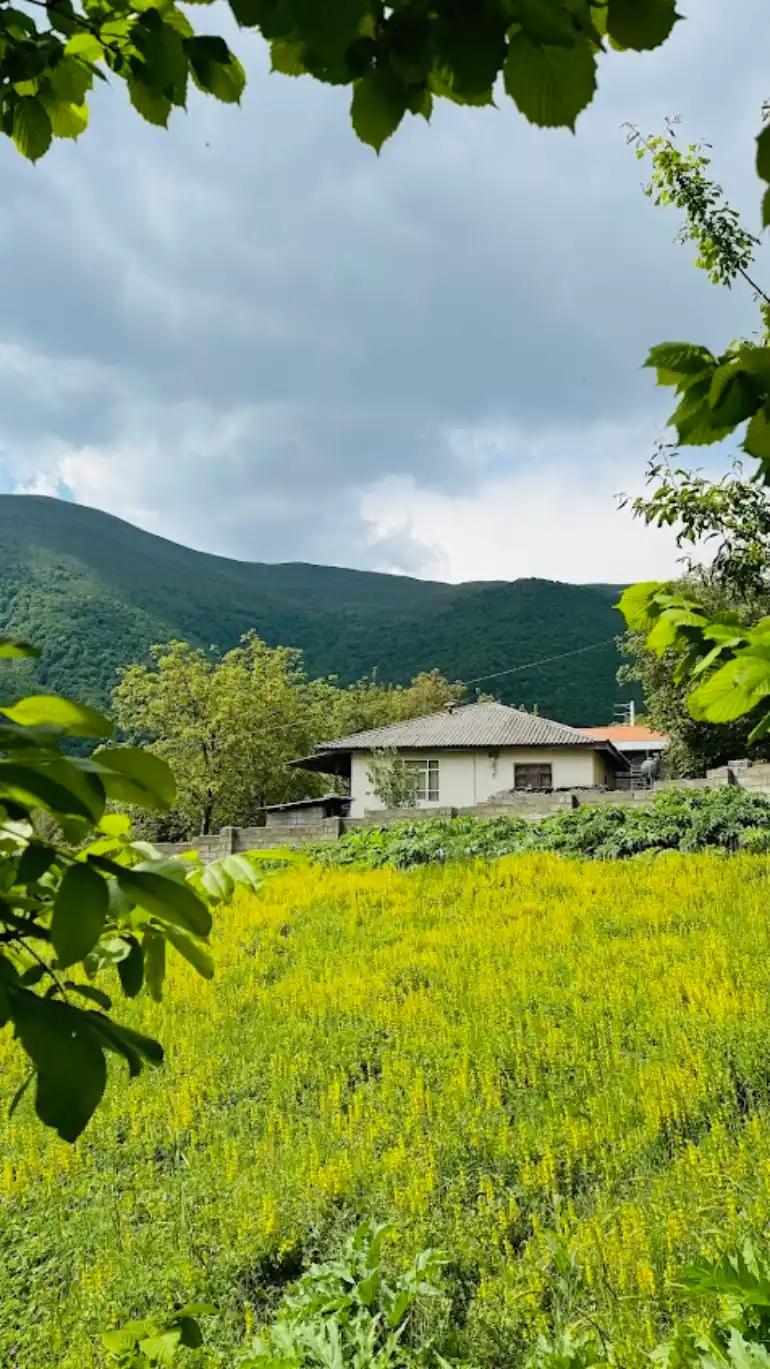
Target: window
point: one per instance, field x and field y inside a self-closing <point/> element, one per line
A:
<point x="532" y="777"/>
<point x="427" y="780"/>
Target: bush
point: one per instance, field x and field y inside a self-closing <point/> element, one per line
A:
<point x="723" y="819"/>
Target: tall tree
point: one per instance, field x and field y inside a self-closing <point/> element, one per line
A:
<point x="722" y="658"/>
<point x="730" y="518"/>
<point x="227" y="726"/>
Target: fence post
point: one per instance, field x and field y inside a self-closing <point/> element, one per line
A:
<point x="228" y="837"/>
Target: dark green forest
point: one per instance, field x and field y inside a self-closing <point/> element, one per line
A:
<point x="95" y="593"/>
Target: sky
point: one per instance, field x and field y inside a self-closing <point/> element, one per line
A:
<point x="253" y="336"/>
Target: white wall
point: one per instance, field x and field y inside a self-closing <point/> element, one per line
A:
<point x="468" y="777"/>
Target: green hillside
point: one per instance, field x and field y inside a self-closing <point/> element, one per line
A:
<point x="95" y="593"/>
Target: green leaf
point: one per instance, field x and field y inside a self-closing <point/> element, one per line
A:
<point x="70" y="1066"/>
<point x="193" y="952"/>
<point x="761" y="730"/>
<point x="133" y="1046"/>
<point x="13" y="648"/>
<point x="35" y="859"/>
<point x="164" y="898"/>
<point x="132" y="775"/>
<point x="86" y="46"/>
<point x="92" y="994"/>
<point x="766" y="209"/>
<point x="641" y="24"/>
<point x="377" y="107"/>
<point x="667" y="631"/>
<point x="287" y="58"/>
<point x="680" y="358"/>
<point x="49" y="710"/>
<point x="328" y="26"/>
<point x="71" y="79"/>
<point x="220" y="75"/>
<point x="550" y="85"/>
<point x="638" y="605"/>
<point x="154" y="108"/>
<point x="242" y="871"/>
<point x="79" y="914"/>
<point x="757" y="440"/>
<point x="34" y="787"/>
<point x="31" y="128"/>
<point x="763" y="154"/>
<point x="470" y="47"/>
<point x="733" y="690"/>
<point x="131" y="969"/>
<point x="546" y="21"/>
<point x="217" y="882"/>
<point x="154" y="948"/>
<point x="67" y="120"/>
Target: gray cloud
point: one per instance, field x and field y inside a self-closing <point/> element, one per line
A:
<point x="235" y="332"/>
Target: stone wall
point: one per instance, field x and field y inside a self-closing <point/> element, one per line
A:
<point x="527" y="805"/>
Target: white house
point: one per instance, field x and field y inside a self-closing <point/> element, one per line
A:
<point x="465" y="754"/>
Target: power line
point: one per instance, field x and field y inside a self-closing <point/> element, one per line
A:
<point x="546" y="660"/>
<point x="479" y="679"/>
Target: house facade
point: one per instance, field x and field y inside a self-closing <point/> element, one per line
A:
<point x="466" y="754"/>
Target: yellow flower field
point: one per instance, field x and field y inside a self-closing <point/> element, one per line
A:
<point x="559" y="1073"/>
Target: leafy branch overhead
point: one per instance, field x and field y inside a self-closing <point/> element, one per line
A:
<point x="87" y="902"/>
<point x="397" y="58"/>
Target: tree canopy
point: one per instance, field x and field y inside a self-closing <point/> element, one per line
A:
<point x="719" y="651"/>
<point x="397" y="58"/>
<point x="229" y="725"/>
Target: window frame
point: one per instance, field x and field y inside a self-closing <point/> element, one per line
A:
<point x="542" y="769"/>
<point x="428" y="778"/>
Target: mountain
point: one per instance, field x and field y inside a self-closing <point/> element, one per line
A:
<point x="95" y="593"/>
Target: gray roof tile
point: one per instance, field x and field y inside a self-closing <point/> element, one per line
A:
<point x="481" y="724"/>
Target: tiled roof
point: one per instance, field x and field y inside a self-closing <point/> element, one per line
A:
<point x="482" y="724"/>
<point x="623" y="732"/>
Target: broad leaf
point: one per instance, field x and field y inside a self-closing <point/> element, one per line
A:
<point x="328" y="26"/>
<point x="154" y="108"/>
<point x="192" y="951"/>
<point x="732" y="691"/>
<point x="86" y="46"/>
<point x="165" y="899"/>
<point x="79" y="914"/>
<point x="131" y="775"/>
<point x="640" y="24"/>
<point x="680" y="358"/>
<point x="131" y="969"/>
<point x="35" y="859"/>
<point x="34" y="787"/>
<point x="49" y="710"/>
<point x="377" y="107"/>
<point x="763" y="154"/>
<point x="757" y="440"/>
<point x="546" y="21"/>
<point x="551" y="85"/>
<point x="31" y="128"/>
<point x="154" y="948"/>
<point x="70" y="1067"/>
<point x="68" y="120"/>
<point x="638" y="605"/>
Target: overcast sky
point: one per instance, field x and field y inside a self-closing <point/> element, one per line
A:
<point x="253" y="336"/>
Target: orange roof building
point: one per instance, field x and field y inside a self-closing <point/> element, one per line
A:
<point x="630" y="739"/>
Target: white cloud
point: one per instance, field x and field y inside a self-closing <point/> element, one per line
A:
<point x="548" y="516"/>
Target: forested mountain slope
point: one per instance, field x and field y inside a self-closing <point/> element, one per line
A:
<point x="95" y="593"/>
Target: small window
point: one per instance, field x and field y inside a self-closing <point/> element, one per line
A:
<point x="427" y="780"/>
<point x="532" y="777"/>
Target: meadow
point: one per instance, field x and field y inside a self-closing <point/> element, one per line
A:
<point x="557" y="1072"/>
